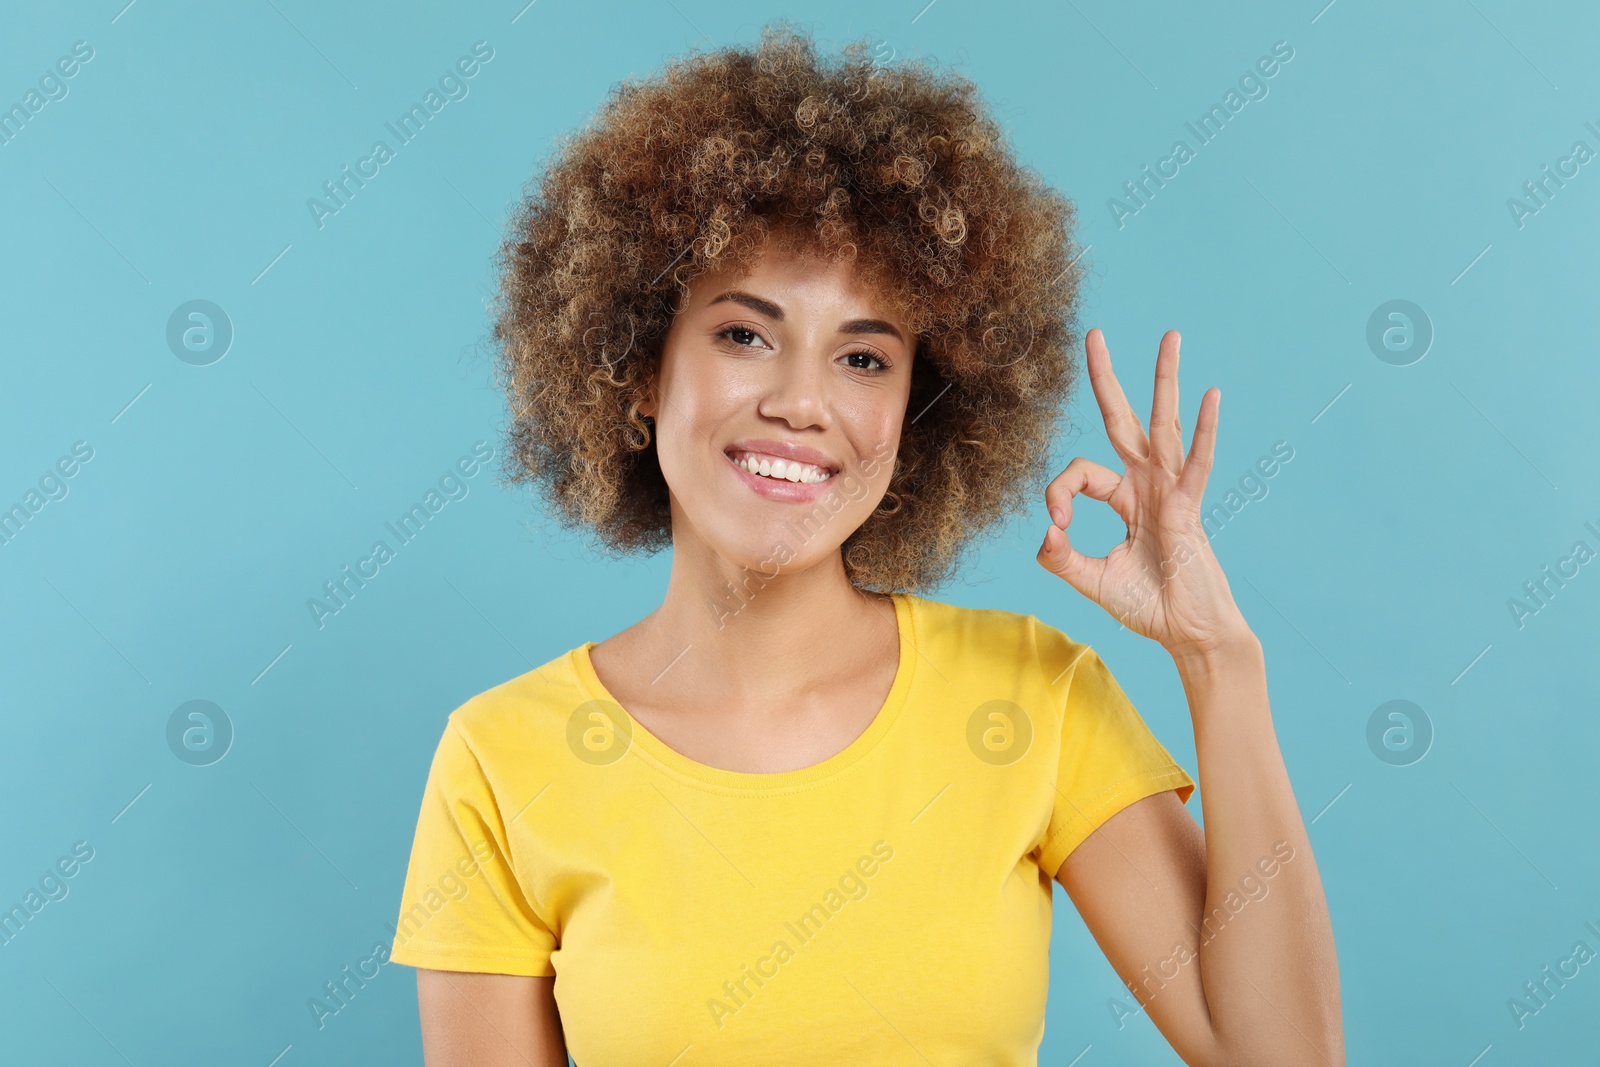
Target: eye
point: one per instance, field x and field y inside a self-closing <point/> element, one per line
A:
<point x="882" y="364"/>
<point x="742" y="332"/>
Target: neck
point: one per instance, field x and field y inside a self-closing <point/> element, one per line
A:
<point x="744" y="632"/>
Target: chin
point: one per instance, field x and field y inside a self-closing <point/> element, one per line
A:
<point x="766" y="546"/>
<point x="763" y="535"/>
<point x="763" y="547"/>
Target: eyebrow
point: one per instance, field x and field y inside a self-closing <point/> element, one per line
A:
<point x="774" y="312"/>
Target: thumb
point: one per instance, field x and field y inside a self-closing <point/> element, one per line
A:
<point x="1058" y="557"/>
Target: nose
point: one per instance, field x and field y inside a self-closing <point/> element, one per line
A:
<point x="797" y="391"/>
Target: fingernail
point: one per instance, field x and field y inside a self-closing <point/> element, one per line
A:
<point x="1059" y="516"/>
<point x="1046" y="546"/>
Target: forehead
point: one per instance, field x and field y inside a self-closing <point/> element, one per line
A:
<point x="799" y="279"/>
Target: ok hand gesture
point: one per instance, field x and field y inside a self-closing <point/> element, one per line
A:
<point x="1163" y="581"/>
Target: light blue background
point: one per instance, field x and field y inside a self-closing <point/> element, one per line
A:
<point x="220" y="498"/>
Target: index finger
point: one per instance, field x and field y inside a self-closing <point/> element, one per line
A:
<point x="1122" y="425"/>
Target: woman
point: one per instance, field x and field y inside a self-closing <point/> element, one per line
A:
<point x="810" y="324"/>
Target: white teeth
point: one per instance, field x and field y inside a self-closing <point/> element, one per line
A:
<point x="783" y="470"/>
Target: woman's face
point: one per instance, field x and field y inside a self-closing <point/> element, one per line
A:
<point x="792" y="369"/>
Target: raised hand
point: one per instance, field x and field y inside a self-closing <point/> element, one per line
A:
<point x="1163" y="581"/>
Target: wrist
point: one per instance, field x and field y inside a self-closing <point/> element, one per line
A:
<point x="1237" y="647"/>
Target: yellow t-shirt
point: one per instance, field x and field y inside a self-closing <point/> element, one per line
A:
<point x="889" y="905"/>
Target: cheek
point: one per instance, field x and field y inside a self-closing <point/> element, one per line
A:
<point x="871" y="416"/>
<point x="876" y="447"/>
<point x="693" y="418"/>
<point x="675" y="452"/>
<point x="880" y="465"/>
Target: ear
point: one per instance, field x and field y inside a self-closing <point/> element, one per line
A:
<point x="647" y="404"/>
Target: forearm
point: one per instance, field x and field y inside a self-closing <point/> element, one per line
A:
<point x="1265" y="943"/>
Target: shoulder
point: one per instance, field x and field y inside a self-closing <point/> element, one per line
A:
<point x="994" y="638"/>
<point x="517" y="725"/>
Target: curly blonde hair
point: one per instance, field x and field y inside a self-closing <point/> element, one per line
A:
<point x="691" y="170"/>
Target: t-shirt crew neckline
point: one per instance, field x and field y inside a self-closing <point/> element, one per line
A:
<point x="652" y="748"/>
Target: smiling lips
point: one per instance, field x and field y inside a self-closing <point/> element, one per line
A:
<point x="780" y="470"/>
<point x="776" y="467"/>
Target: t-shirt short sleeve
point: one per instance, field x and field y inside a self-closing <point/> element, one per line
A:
<point x="1108" y="757"/>
<point x="463" y="907"/>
